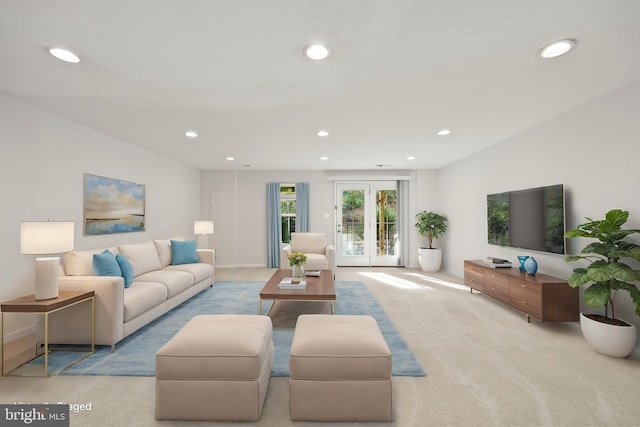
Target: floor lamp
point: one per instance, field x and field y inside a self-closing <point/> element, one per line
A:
<point x="43" y="238"/>
<point x="203" y="228"/>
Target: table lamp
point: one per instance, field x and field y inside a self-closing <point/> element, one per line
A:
<point x="203" y="228"/>
<point x="44" y="238"/>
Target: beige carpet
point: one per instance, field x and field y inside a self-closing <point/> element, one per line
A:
<point x="486" y="366"/>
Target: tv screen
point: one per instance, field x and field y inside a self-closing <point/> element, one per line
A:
<point x="528" y="219"/>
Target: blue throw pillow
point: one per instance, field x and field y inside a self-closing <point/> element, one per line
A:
<point x="105" y="264"/>
<point x="126" y="268"/>
<point x="183" y="252"/>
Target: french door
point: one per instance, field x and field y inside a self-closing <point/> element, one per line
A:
<point x="366" y="223"/>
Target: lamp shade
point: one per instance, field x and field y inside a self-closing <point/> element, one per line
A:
<point x="46" y="237"/>
<point x="203" y="227"/>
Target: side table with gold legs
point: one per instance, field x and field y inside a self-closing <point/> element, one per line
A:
<point x="29" y="305"/>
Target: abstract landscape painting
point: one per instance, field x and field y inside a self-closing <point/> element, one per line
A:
<point x="112" y="206"/>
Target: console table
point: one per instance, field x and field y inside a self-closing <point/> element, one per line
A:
<point x="28" y="304"/>
<point x="545" y="298"/>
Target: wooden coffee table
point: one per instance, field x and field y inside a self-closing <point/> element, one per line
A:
<point x="318" y="289"/>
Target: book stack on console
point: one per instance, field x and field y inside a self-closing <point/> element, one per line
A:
<point x="497" y="263"/>
<point x="292" y="283"/>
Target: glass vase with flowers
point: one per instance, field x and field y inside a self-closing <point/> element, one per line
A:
<point x="296" y="261"/>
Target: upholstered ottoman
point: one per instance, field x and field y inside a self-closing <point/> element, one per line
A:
<point x="339" y="370"/>
<point x="217" y="367"/>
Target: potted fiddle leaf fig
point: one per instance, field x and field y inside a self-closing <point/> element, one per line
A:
<point x="606" y="275"/>
<point x="430" y="225"/>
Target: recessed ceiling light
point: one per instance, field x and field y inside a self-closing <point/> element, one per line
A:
<point x="443" y="132"/>
<point x="191" y="134"/>
<point x="316" y="51"/>
<point x="230" y="158"/>
<point x="324" y="158"/>
<point x="556" y="49"/>
<point x="411" y="157"/>
<point x="64" y="55"/>
<point x="322" y="133"/>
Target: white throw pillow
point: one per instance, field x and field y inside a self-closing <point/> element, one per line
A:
<point x="80" y="263"/>
<point x="143" y="257"/>
<point x="164" y="251"/>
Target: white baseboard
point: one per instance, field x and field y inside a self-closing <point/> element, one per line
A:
<point x="242" y="266"/>
<point x="20" y="333"/>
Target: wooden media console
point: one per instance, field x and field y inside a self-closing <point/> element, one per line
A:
<point x="545" y="298"/>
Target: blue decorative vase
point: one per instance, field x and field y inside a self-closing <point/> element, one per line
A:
<point x="531" y="266"/>
<point x="522" y="259"/>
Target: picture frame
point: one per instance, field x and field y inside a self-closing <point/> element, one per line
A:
<point x="112" y="206"/>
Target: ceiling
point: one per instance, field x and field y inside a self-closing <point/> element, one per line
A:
<point x="235" y="72"/>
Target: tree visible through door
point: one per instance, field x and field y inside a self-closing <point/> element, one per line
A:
<point x="367" y="228"/>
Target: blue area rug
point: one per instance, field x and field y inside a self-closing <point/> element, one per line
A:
<point x="135" y="355"/>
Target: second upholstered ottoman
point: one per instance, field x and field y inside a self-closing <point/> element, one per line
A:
<point x="340" y="370"/>
<point x="217" y="367"/>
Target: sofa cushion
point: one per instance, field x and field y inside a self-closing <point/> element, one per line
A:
<point x="143" y="257"/>
<point x="199" y="271"/>
<point x="141" y="297"/>
<point x="105" y="264"/>
<point x="175" y="281"/>
<point x="183" y="252"/>
<point x="126" y="269"/>
<point x="164" y="251"/>
<point x="315" y="243"/>
<point x="80" y="263"/>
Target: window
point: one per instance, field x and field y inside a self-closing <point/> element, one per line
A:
<point x="287" y="211"/>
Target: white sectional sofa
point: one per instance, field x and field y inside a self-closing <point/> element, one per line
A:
<point x="157" y="287"/>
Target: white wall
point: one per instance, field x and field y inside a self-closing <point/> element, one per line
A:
<point x="425" y="199"/>
<point x="239" y="204"/>
<point x="593" y="150"/>
<point x="236" y="201"/>
<point x="42" y="162"/>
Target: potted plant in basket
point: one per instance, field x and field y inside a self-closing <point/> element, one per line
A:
<point x="296" y="260"/>
<point x="606" y="274"/>
<point x="430" y="225"/>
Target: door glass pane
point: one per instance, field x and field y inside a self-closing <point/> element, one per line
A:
<point x="386" y="223"/>
<point x="353" y="222"/>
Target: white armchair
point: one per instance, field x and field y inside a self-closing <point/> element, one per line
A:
<point x="320" y="255"/>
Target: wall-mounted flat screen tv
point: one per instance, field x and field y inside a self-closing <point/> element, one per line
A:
<point x="528" y="219"/>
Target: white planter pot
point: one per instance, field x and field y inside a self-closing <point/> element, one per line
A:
<point x="610" y="340"/>
<point x="430" y="259"/>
